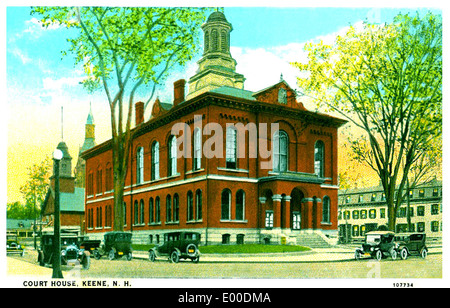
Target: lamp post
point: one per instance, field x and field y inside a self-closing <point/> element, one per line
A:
<point x="57" y="156"/>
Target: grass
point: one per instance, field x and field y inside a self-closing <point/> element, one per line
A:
<point x="245" y="248"/>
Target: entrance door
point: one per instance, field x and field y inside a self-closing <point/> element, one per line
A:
<point x="296" y="220"/>
<point x="296" y="208"/>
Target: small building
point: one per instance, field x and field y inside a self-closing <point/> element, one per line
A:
<point x="71" y="197"/>
<point x="364" y="209"/>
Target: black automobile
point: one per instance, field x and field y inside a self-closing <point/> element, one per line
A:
<point x="378" y="245"/>
<point x="176" y="246"/>
<point x="71" y="253"/>
<point x="115" y="244"/>
<point x="409" y="244"/>
<point x="13" y="246"/>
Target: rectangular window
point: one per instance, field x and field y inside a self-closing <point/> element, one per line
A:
<point x="231" y="148"/>
<point x="434" y="209"/>
<point x="269" y="219"/>
<point x="296" y="221"/>
<point x="382" y="213"/>
<point x="421" y="210"/>
<point x="421" y="193"/>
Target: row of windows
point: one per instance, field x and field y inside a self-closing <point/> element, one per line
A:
<point x="435" y="226"/>
<point x="435" y="209"/>
<point x="382" y="197"/>
<point x="280" y="158"/>
<point x="152" y="213"/>
<point x="194" y="208"/>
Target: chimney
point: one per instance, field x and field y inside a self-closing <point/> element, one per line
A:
<point x="139" y="112"/>
<point x="178" y="91"/>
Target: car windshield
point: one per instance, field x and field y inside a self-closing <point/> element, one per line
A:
<point x="373" y="238"/>
<point x="68" y="241"/>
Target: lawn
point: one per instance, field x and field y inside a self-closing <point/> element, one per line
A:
<point x="246" y="248"/>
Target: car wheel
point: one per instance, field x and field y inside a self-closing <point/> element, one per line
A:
<point x="111" y="255"/>
<point x="151" y="255"/>
<point x="129" y="256"/>
<point x="423" y="253"/>
<point x="378" y="255"/>
<point x="394" y="254"/>
<point x="41" y="258"/>
<point x="97" y="255"/>
<point x="404" y="254"/>
<point x="357" y="255"/>
<point x="196" y="259"/>
<point x="174" y="257"/>
<point x="86" y="263"/>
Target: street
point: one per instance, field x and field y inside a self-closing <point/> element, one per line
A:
<point x="413" y="267"/>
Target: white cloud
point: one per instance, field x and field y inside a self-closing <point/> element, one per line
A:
<point x="17" y="52"/>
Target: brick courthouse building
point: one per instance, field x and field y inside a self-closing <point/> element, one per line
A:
<point x="236" y="196"/>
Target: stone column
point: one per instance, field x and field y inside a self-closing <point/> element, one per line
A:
<point x="287" y="214"/>
<point x="277" y="211"/>
<point x="307" y="213"/>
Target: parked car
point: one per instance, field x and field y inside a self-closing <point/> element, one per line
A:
<point x="70" y="250"/>
<point x="115" y="244"/>
<point x="13" y="246"/>
<point x="176" y="246"/>
<point x="411" y="244"/>
<point x="377" y="244"/>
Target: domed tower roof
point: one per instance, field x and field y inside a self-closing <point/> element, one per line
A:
<point x="217" y="16"/>
<point x="63" y="147"/>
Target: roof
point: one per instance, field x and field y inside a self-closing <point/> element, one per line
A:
<point x="72" y="202"/>
<point x="69" y="202"/>
<point x="19" y="223"/>
<point x="217" y="16"/>
<point x="235" y="92"/>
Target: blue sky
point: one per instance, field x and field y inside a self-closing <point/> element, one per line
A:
<point x="264" y="40"/>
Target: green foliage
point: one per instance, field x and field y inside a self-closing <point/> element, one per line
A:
<point x="33" y="191"/>
<point x="125" y="44"/>
<point x="387" y="81"/>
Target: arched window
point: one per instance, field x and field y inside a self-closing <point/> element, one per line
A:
<point x="155" y="160"/>
<point x="168" y="208"/>
<point x="215" y="40"/>
<point x="172" y="161"/>
<point x="197" y="162"/>
<point x="226" y="204"/>
<point x="151" y="211"/>
<point x="231" y="146"/>
<point x="198" y="204"/>
<point x="157" y="210"/>
<point x="206" y="42"/>
<point x="319" y="158"/>
<point x="223" y="41"/>
<point x="141" y="212"/>
<point x="190" y="206"/>
<point x="240" y="205"/>
<point x="140" y="165"/>
<point x="326" y="209"/>
<point x="176" y="207"/>
<point x="136" y="212"/>
<point x="280" y="151"/>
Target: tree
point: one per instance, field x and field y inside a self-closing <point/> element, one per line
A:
<point x="35" y="188"/>
<point x="387" y="81"/>
<point x="122" y="50"/>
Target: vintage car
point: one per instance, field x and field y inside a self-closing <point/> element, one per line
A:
<point x="176" y="246"/>
<point x="71" y="253"/>
<point x="115" y="244"/>
<point x="411" y="244"/>
<point x="13" y="246"/>
<point x="377" y="244"/>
